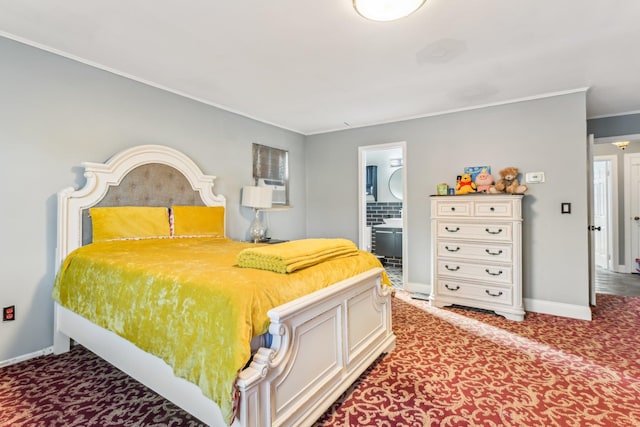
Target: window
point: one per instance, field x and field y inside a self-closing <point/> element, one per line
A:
<point x="271" y="169"/>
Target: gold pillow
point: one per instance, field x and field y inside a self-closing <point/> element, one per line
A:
<point x="129" y="222"/>
<point x="198" y="221"/>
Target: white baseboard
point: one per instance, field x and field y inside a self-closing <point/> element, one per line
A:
<point x="24" y="357"/>
<point x="621" y="268"/>
<point x="558" y="309"/>
<point x="422" y="291"/>
<point x="418" y="288"/>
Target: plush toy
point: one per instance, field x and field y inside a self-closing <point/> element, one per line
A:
<point x="483" y="181"/>
<point x="508" y="182"/>
<point x="465" y="185"/>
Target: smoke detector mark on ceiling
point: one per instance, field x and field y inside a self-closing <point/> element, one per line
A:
<point x="475" y="92"/>
<point x="440" y="51"/>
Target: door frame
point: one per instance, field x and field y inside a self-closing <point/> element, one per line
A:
<point x="625" y="264"/>
<point x="362" y="198"/>
<point x="590" y="246"/>
<point x="629" y="260"/>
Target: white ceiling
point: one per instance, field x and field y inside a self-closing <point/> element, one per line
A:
<point x="315" y="65"/>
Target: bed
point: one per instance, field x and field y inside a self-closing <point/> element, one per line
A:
<point x="317" y="345"/>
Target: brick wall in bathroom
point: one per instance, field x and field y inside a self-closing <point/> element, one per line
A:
<point x="376" y="211"/>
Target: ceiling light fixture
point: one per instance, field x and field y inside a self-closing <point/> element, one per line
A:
<point x="621" y="144"/>
<point x="386" y="10"/>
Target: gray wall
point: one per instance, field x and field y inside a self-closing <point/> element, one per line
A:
<point x="56" y="113"/>
<point x="546" y="135"/>
<point x="627" y="124"/>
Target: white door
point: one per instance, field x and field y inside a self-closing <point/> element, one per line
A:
<point x="632" y="161"/>
<point x="601" y="195"/>
<point x="590" y="251"/>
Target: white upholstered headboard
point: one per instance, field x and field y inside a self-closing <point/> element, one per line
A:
<point x="145" y="175"/>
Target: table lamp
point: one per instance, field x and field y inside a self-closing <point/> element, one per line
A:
<point x="257" y="198"/>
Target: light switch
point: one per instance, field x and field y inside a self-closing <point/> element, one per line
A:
<point x="565" y="208"/>
<point x="534" y="177"/>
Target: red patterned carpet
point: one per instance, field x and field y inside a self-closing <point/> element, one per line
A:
<point x="456" y="367"/>
<point x="451" y="367"/>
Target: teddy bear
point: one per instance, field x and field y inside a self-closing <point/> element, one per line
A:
<point x="465" y="185"/>
<point x="483" y="181"/>
<point x="508" y="182"/>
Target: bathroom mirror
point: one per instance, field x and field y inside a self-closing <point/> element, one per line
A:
<point x="395" y="183"/>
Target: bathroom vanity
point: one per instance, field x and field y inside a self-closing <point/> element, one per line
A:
<point x="388" y="240"/>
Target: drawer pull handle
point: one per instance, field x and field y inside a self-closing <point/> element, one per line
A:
<point x="457" y="267"/>
<point x="452" y="250"/>
<point x="453" y="230"/>
<point x="492" y="209"/>
<point x="493" y="253"/>
<point x="493" y="295"/>
<point x="446" y="285"/>
<point x="493" y="274"/>
<point x="453" y="209"/>
<point x="493" y="232"/>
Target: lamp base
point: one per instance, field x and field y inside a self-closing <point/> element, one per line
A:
<point x="257" y="231"/>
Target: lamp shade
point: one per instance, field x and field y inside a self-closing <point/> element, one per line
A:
<point x="257" y="197"/>
<point x="386" y="10"/>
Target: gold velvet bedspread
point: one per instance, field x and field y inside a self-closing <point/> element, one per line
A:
<point x="187" y="302"/>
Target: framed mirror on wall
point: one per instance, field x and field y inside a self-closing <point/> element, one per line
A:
<point x="395" y="184"/>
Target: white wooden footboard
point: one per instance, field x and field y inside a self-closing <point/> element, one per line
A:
<point x="322" y="343"/>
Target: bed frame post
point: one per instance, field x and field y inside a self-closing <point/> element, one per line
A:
<point x="61" y="342"/>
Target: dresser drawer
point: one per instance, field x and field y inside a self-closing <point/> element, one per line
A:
<point x="501" y="274"/>
<point x="461" y="230"/>
<point x="480" y="251"/>
<point x="494" y="209"/>
<point x="473" y="292"/>
<point x="453" y="208"/>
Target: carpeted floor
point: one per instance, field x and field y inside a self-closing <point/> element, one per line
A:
<point x="451" y="367"/>
<point x="458" y="367"/>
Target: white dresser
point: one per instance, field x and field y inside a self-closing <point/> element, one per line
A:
<point x="476" y="247"/>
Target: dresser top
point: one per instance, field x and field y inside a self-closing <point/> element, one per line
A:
<point x="480" y="196"/>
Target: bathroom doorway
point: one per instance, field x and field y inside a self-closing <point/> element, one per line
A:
<point x="382" y="187"/>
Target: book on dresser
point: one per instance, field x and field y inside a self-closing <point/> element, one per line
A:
<point x="476" y="252"/>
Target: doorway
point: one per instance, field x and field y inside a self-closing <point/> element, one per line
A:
<point x="382" y="205"/>
<point x="613" y="231"/>
<point x="618" y="279"/>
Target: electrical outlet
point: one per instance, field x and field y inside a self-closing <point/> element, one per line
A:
<point x="9" y="313"/>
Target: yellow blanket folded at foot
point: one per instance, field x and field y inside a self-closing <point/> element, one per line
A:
<point x="291" y="256"/>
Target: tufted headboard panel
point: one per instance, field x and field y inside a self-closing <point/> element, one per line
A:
<point x="152" y="184"/>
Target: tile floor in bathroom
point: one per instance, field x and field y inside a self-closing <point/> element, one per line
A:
<point x="395" y="275"/>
